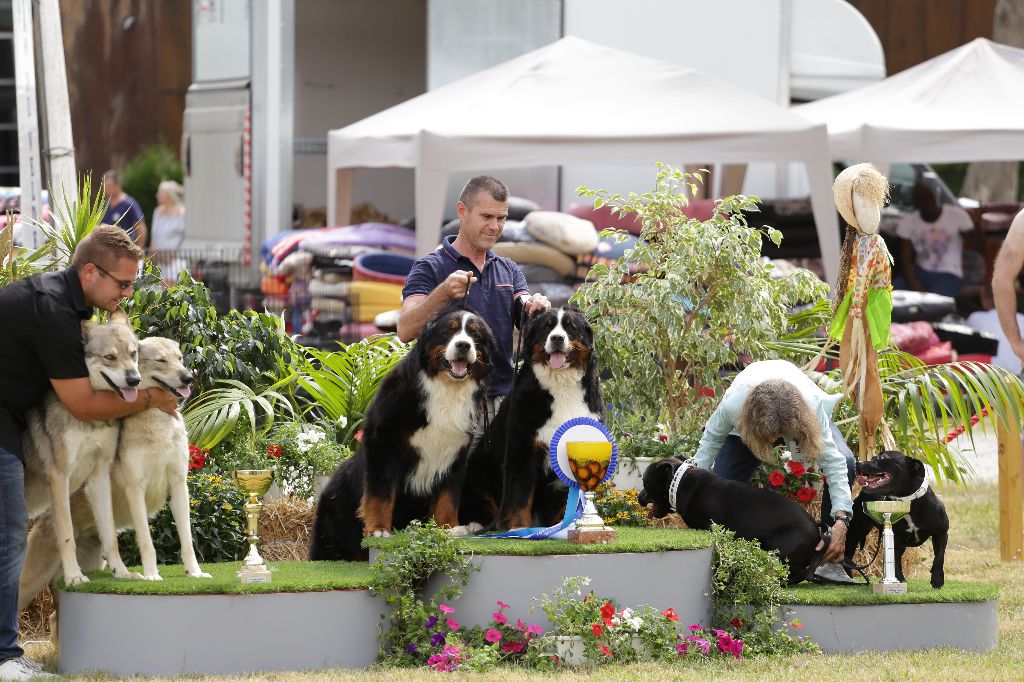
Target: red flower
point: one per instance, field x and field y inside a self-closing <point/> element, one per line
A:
<point x="596" y="629"/>
<point x="663" y="437"/>
<point x="197" y="459"/>
<point x="796" y="468"/>
<point x="358" y="435"/>
<point x="607" y="611"/>
<point x="776" y="478"/>
<point x="606" y="651"/>
<point x="274" y="450"/>
<point x="806" y="494"/>
<point x="736" y="623"/>
<point x="671" y="614"/>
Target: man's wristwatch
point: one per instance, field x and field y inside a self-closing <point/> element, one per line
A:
<point x="842" y="516"/>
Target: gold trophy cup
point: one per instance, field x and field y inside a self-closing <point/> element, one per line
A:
<point x="888" y="512"/>
<point x="254" y="483"/>
<point x="589" y="463"/>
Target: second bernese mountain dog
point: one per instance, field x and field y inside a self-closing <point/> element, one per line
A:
<point x="510" y="483"/>
<point x="416" y="438"/>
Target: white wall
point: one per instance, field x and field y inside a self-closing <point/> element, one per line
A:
<point x="354" y="58"/>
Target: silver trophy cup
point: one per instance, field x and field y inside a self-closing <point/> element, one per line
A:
<point x="888" y="512"/>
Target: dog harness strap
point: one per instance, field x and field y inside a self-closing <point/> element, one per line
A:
<point x="920" y="491"/>
<point x="673" y="487"/>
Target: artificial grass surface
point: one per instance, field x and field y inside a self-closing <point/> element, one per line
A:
<point x="288" y="576"/>
<point x="919" y="591"/>
<point x="627" y="540"/>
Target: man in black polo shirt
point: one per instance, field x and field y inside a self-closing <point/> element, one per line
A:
<point x="499" y="290"/>
<point x="41" y="350"/>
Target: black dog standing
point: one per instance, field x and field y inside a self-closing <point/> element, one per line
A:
<point x="894" y="476"/>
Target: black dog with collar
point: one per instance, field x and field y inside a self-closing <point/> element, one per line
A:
<point x="893" y="475"/>
<point x="702" y="498"/>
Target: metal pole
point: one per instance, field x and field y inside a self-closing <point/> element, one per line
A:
<point x="29" y="170"/>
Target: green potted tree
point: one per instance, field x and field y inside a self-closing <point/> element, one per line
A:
<point x="680" y="308"/>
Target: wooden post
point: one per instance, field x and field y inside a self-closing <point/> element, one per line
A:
<point x="343" y="179"/>
<point x="1011" y="493"/>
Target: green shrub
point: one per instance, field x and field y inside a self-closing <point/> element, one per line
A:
<point x="301" y="451"/>
<point x="249" y="347"/>
<point x="747" y="585"/>
<point x="218" y="522"/>
<point x="145" y="172"/>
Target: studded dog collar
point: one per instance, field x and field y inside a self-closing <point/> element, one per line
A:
<point x="673" y="487"/>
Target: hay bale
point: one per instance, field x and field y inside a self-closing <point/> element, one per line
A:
<point x="285" y="528"/>
<point x="34" y="621"/>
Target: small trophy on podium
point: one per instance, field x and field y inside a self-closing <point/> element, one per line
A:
<point x="254" y="483"/>
<point x="888" y="512"/>
<point x="589" y="463"/>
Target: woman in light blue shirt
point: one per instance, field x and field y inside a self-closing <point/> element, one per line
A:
<point x="772" y="400"/>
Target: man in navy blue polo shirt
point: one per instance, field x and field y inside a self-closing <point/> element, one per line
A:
<point x="123" y="210"/>
<point x="41" y="350"/>
<point x="497" y="287"/>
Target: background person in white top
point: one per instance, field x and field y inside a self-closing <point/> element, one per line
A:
<point x="987" y="320"/>
<point x="168" y="231"/>
<point x="931" y="256"/>
<point x="774" y="399"/>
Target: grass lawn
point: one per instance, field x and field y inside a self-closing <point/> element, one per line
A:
<point x="972" y="555"/>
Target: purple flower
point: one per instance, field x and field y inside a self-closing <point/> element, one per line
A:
<point x="431" y="622"/>
<point x="437" y="639"/>
<point x="702" y="644"/>
<point x="411" y="649"/>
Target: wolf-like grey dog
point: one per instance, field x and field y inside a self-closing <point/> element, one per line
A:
<point x="151" y="462"/>
<point x="63" y="454"/>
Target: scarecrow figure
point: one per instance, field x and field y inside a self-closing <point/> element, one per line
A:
<point x="862" y="309"/>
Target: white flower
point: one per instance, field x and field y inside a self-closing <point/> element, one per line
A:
<point x="342" y="421"/>
<point x="634" y="623"/>
<point x="786" y="455"/>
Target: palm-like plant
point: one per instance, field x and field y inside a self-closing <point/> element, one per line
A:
<point x="16" y="262"/>
<point x="73" y="218"/>
<point x="214" y="414"/>
<point x="923" y="403"/>
<point x="341" y="384"/>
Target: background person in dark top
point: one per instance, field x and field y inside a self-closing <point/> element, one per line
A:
<point x="41" y="350"/>
<point x="499" y="290"/>
<point x="123" y="210"/>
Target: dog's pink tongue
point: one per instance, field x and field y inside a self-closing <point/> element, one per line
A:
<point x="459" y="368"/>
<point x="556" y="360"/>
<point x="184" y="391"/>
<point x="130" y="394"/>
<point x="861" y="480"/>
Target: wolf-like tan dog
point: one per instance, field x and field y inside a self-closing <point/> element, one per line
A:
<point x="63" y="454"/>
<point x="151" y="463"/>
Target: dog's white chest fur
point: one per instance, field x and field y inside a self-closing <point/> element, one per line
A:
<point x="449" y="408"/>
<point x="568" y="402"/>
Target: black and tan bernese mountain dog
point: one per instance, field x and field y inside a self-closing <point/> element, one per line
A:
<point x="509" y="483"/>
<point x="411" y="459"/>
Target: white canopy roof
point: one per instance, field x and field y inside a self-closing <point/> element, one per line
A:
<point x="577" y="102"/>
<point x="964" y="105"/>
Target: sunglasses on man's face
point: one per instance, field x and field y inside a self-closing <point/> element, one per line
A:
<point x="123" y="284"/>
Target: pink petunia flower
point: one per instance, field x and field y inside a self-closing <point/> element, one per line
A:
<point x="445" y="609"/>
<point x="499" y="617"/>
<point x="452" y="623"/>
<point x="502" y="605"/>
<point x="492" y="636"/>
<point x="534" y="630"/>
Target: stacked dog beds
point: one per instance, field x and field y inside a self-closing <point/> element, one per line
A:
<point x="340" y="278"/>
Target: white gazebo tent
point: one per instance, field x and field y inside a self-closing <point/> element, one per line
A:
<point x="964" y="105"/>
<point x="577" y="102"/>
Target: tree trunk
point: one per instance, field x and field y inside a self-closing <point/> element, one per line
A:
<point x="997" y="180"/>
